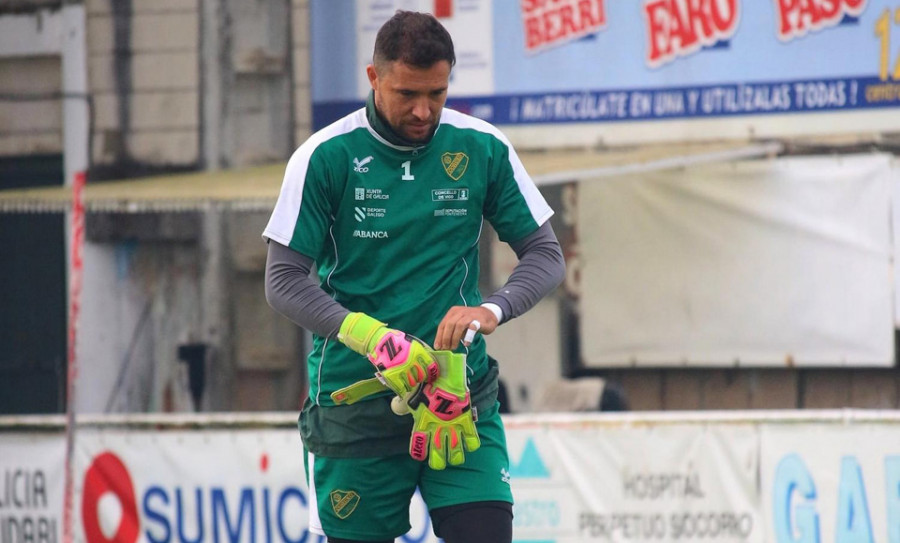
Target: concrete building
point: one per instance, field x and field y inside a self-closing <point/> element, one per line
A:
<point x="122" y="89"/>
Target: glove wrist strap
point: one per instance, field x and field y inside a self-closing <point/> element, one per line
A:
<point x="358" y="330"/>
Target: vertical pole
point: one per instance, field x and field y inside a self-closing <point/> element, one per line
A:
<point x="215" y="323"/>
<point x="76" y="118"/>
<point x="212" y="108"/>
<point x="76" y="133"/>
<point x="76" y="267"/>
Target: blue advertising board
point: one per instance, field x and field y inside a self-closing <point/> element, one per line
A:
<point x="538" y="62"/>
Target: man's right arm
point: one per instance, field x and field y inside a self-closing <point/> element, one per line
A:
<point x="291" y="291"/>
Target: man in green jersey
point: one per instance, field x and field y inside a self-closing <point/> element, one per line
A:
<point x="388" y="203"/>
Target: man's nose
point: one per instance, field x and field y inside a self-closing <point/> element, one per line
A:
<point x="421" y="110"/>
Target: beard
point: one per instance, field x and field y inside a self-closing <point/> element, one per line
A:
<point x="413" y="138"/>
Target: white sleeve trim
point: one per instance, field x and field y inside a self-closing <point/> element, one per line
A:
<point x="495" y="309"/>
<point x="287" y="208"/>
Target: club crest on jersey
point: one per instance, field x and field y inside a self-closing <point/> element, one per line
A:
<point x="455" y="164"/>
<point x="344" y="502"/>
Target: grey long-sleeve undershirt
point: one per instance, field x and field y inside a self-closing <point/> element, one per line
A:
<point x="291" y="290"/>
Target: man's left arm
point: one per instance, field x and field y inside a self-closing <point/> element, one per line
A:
<point x="540" y="269"/>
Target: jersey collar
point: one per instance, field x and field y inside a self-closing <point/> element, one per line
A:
<point x="383" y="130"/>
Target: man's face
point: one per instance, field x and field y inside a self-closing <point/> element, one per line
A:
<point x="410" y="98"/>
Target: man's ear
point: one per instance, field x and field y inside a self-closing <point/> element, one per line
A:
<point x="373" y="76"/>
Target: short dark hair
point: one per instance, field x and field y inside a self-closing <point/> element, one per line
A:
<point x="414" y="38"/>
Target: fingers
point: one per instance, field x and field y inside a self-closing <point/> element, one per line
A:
<point x="451" y="330"/>
<point x="474" y="326"/>
<point x="460" y="324"/>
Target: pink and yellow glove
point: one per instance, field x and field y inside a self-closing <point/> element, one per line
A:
<point x="443" y="416"/>
<point x="444" y="419"/>
<point x="402" y="362"/>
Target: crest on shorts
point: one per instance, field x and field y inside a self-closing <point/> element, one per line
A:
<point x="455" y="164"/>
<point x="344" y="502"/>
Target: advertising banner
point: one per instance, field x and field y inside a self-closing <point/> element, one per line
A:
<point x="532" y="63"/>
<point x="664" y="483"/>
<point x="31" y="487"/>
<point x="827" y="483"/>
<point x="473" y="73"/>
<point x="742" y="478"/>
<point x="233" y="486"/>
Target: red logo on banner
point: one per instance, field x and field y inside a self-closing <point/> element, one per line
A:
<point x="678" y="28"/>
<point x="108" y="474"/>
<point x="554" y="22"/>
<point x="797" y="17"/>
<point x="443" y="8"/>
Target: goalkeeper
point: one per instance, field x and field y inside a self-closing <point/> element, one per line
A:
<point x="387" y="204"/>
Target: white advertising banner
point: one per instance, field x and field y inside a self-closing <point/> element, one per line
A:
<point x="206" y="485"/>
<point x="831" y="483"/>
<point x="31" y="487"/>
<point x="701" y="477"/>
<point x="580" y="482"/>
<point x="756" y="263"/>
<point x="220" y="486"/>
<point x="470" y="22"/>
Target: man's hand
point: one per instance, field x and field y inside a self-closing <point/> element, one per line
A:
<point x="458" y="321"/>
<point x="401" y="361"/>
<point x="444" y="419"/>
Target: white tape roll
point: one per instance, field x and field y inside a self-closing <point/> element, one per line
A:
<point x="470" y="333"/>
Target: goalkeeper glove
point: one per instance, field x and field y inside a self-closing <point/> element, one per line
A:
<point x="444" y="419"/>
<point x="401" y="361"/>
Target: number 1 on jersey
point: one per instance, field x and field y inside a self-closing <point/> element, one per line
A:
<point x="407" y="176"/>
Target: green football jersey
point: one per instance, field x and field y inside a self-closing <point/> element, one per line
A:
<point x="394" y="230"/>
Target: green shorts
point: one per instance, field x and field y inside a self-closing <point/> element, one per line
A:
<point x="369" y="498"/>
